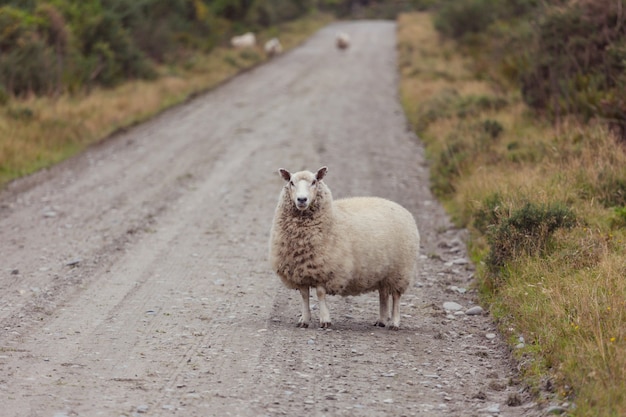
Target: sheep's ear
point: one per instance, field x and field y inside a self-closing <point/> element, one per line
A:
<point x="285" y="174"/>
<point x="321" y="173"/>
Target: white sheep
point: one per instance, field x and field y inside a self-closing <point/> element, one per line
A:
<point x="346" y="247"/>
<point x="343" y="40"/>
<point x="247" y="40"/>
<point x="273" y="47"/>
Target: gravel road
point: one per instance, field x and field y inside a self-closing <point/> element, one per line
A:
<point x="135" y="280"/>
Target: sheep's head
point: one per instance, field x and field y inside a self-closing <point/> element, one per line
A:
<point x="303" y="186"/>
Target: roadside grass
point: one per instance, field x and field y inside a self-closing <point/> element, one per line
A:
<point x="546" y="210"/>
<point x="38" y="132"/>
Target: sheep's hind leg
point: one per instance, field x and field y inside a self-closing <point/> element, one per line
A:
<point x="383" y="317"/>
<point x="395" y="311"/>
<point x="305" y="318"/>
<point x="324" y="313"/>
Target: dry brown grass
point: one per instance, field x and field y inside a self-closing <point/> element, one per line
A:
<point x="569" y="301"/>
<point x="38" y="132"/>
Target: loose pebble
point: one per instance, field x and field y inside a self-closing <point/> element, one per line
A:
<point x="555" y="409"/>
<point x="474" y="311"/>
<point x="452" y="306"/>
<point x="74" y="262"/>
<point x="494" y="409"/>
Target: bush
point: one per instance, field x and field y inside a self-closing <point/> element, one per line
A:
<point x="579" y="61"/>
<point x="457" y="18"/>
<point x="27" y="62"/>
<point x="493" y="128"/>
<point x="488" y="215"/>
<point x="619" y="218"/>
<point x="524" y="231"/>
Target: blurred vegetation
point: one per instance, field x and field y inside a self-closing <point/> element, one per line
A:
<point x="54" y="46"/>
<point x="48" y="47"/>
<point x="566" y="56"/>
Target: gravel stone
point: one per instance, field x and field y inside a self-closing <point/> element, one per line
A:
<point x="452" y="306"/>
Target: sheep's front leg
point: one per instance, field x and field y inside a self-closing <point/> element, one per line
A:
<point x="383" y="317"/>
<point x="324" y="313"/>
<point x="305" y="318"/>
<point x="395" y="311"/>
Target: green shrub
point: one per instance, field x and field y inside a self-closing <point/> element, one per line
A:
<point x="488" y="214"/>
<point x="578" y="62"/>
<point x="22" y="113"/>
<point x="457" y="18"/>
<point x="27" y="63"/>
<point x="493" y="128"/>
<point x="471" y="105"/>
<point x="523" y="231"/>
<point x="619" y="218"/>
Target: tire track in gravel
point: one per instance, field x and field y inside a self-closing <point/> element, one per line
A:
<point x="172" y="309"/>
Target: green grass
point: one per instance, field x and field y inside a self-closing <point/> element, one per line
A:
<point x="545" y="206"/>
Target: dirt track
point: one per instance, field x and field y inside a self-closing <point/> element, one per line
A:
<point x="135" y="281"/>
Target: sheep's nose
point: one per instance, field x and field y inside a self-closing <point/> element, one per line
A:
<point x="302" y="199"/>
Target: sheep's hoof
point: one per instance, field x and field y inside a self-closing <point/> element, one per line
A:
<point x="379" y="324"/>
<point x="325" y="325"/>
<point x="394" y="327"/>
<point x="302" y="325"/>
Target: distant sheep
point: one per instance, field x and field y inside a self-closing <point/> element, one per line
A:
<point x="343" y="40"/>
<point x="247" y="40"/>
<point x="346" y="247"/>
<point x="273" y="47"/>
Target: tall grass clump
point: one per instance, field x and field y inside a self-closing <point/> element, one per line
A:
<point x="544" y="204"/>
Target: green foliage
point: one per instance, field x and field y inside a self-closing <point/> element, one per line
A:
<point x="566" y="56"/>
<point x="523" y="231"/>
<point x="267" y="13"/>
<point x="579" y="62"/>
<point x="49" y="46"/>
<point x="488" y="214"/>
<point x="458" y="18"/>
<point x="493" y="128"/>
<point x="27" y="60"/>
<point x="22" y="113"/>
<point x="619" y="220"/>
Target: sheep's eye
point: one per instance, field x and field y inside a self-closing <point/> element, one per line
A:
<point x="314" y="182"/>
<point x="291" y="183"/>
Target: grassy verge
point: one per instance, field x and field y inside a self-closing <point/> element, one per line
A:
<point x="40" y="131"/>
<point x="546" y="208"/>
